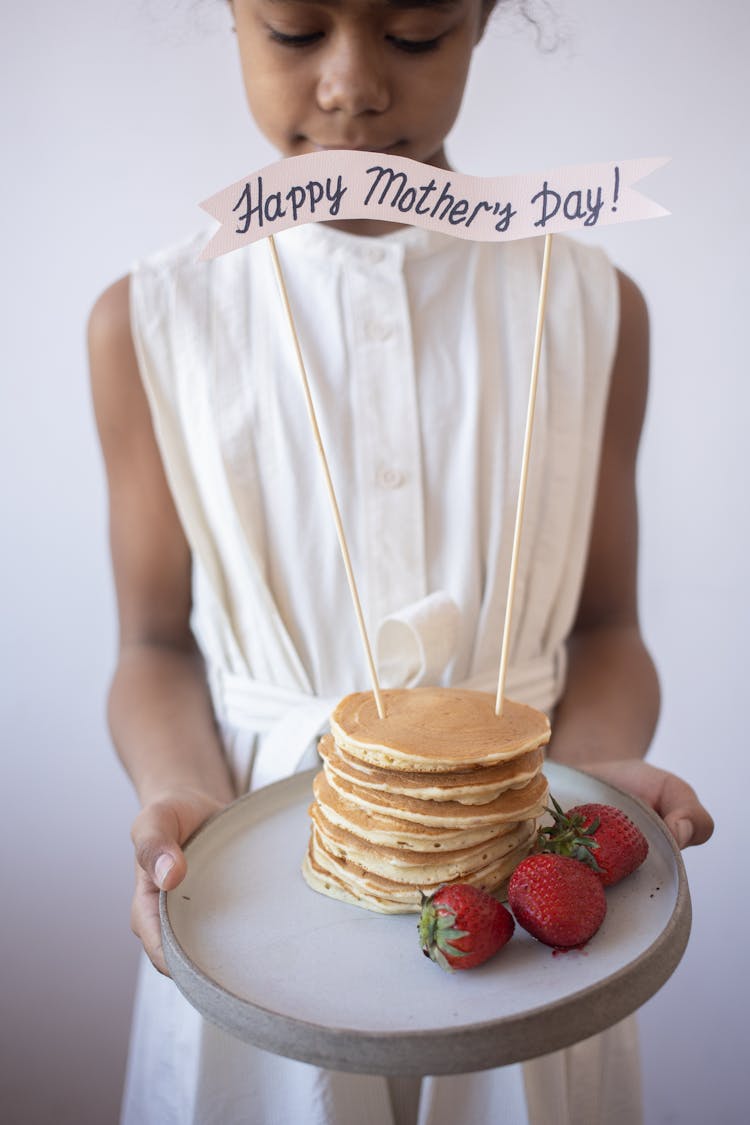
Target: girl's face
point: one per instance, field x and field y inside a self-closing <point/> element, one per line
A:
<point x="381" y="75"/>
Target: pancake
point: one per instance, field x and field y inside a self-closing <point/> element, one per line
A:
<point x="326" y="883"/>
<point x="390" y="831"/>
<point x="387" y="895"/>
<point x="356" y="879"/>
<point x="513" y="805"/>
<point x="440" y="790"/>
<point x="470" y="787"/>
<point x="418" y="867"/>
<point x="435" y="729"/>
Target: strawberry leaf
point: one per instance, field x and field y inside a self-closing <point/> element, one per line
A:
<point x="567" y="836"/>
<point x="450" y="934"/>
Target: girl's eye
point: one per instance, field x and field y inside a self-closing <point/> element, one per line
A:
<point x="414" y="46"/>
<point x="410" y="46"/>
<point x="294" y="40"/>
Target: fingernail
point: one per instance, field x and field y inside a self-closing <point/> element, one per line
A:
<point x="162" y="867"/>
<point x="683" y="830"/>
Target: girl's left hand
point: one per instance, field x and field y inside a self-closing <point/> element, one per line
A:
<point x="667" y="794"/>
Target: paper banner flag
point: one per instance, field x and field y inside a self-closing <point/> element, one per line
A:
<point x="344" y="184"/>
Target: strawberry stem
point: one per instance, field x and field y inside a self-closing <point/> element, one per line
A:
<point x="567" y="836"/>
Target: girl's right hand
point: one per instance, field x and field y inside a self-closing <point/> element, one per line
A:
<point x="160" y="709"/>
<point x="158" y="833"/>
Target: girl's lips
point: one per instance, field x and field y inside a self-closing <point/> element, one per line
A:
<point x="352" y="148"/>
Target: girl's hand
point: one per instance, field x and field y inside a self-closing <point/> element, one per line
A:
<point x="668" y="795"/>
<point x="158" y="832"/>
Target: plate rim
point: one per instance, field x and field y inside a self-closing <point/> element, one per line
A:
<point x="462" y="1048"/>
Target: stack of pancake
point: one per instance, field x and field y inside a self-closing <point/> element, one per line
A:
<point x="439" y="790"/>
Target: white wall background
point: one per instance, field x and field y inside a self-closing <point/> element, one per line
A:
<point x="117" y="117"/>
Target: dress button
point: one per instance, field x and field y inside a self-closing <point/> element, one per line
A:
<point x="390" y="478"/>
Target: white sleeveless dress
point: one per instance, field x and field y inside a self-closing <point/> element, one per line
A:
<point x="419" y="349"/>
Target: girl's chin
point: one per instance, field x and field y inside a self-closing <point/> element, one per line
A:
<point x="304" y="146"/>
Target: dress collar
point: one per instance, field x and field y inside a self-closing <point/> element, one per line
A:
<point x="324" y="240"/>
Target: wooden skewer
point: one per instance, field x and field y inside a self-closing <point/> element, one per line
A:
<point x="327" y="477"/>
<point x="524" y="474"/>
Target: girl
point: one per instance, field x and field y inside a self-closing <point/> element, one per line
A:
<point x="235" y="623"/>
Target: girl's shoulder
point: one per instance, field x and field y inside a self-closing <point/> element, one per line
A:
<point x="109" y="339"/>
<point x="577" y="265"/>
<point x="174" y="259"/>
<point x="110" y="316"/>
<point x="136" y="304"/>
<point x="172" y="289"/>
<point x="584" y="287"/>
<point x="177" y="268"/>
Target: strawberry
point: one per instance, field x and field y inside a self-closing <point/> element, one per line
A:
<point x="462" y="926"/>
<point x="559" y="900"/>
<point x="600" y="835"/>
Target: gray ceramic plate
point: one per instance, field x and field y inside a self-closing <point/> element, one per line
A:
<point x="259" y="953"/>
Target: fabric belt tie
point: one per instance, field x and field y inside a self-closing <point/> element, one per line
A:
<point x="414" y="647"/>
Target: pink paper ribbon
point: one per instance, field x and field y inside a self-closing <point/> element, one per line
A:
<point x="344" y="184"/>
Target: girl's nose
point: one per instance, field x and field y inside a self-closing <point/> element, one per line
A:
<point x="353" y="78"/>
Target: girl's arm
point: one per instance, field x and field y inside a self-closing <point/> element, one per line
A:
<point x="606" y="719"/>
<point x="159" y="712"/>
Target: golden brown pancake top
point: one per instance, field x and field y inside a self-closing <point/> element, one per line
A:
<point x="436" y="729"/>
